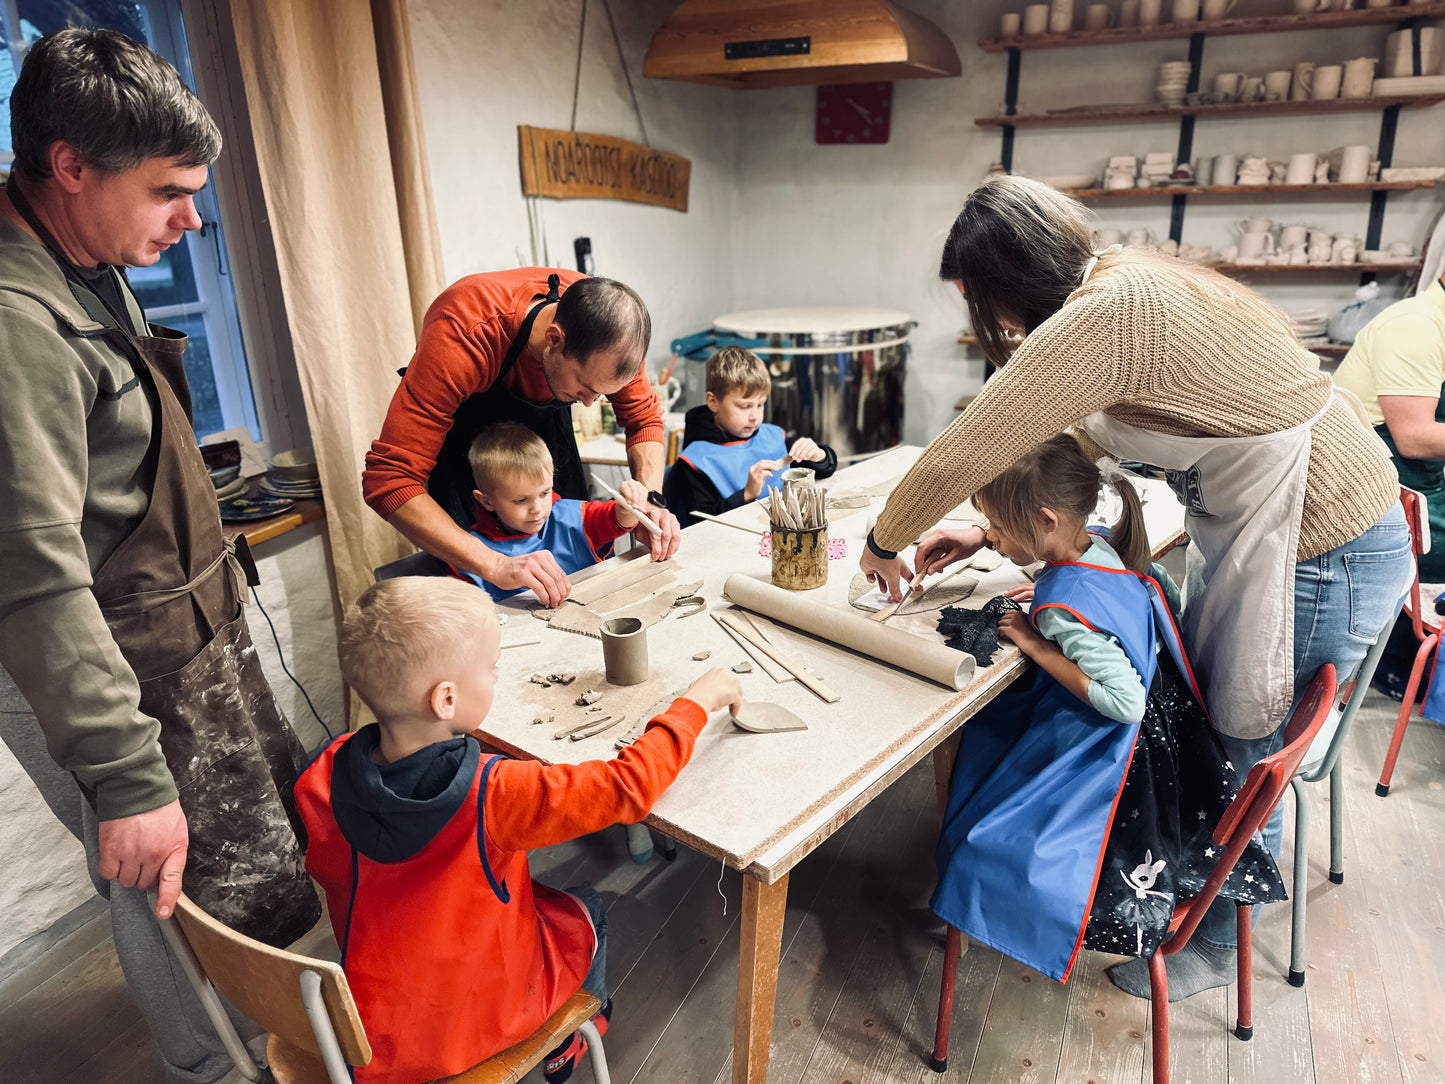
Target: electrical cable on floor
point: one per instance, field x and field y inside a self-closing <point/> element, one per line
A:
<point x="275" y="637"/>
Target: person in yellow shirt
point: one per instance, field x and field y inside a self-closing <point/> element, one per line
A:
<point x="1397" y="369"/>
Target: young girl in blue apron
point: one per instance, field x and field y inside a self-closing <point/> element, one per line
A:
<point x="1081" y="810"/>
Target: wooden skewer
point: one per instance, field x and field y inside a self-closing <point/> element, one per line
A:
<point x="521" y="643"/>
<point x="827" y="695"/>
<point x="727" y="523"/>
<point x="769" y="667"/>
<point x="626" y="507"/>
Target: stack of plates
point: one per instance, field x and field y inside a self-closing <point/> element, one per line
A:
<point x="1309" y="325"/>
<point x="293" y="475"/>
<point x="1173" y="82"/>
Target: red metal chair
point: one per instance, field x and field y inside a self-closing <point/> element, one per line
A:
<point x="1247" y="814"/>
<point x="1418" y="517"/>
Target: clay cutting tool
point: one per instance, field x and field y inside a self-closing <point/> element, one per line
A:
<point x="628" y="507"/>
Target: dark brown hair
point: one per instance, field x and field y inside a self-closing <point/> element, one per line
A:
<point x="599" y="314"/>
<point x="1018" y="249"/>
<point x="1057" y="475"/>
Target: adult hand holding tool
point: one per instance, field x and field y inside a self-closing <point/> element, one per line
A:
<point x="940" y="548"/>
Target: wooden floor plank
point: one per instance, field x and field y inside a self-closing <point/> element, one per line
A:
<point x="1402" y="854"/>
<point x="1199" y="1038"/>
<point x="1023" y="1034"/>
<point x="973" y="986"/>
<point x="1104" y="1032"/>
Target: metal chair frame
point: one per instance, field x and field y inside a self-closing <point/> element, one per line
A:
<point x="1247" y="813"/>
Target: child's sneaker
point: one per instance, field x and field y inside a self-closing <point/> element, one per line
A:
<point x="560" y="1063"/>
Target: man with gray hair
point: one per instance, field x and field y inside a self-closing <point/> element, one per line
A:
<point x="120" y="606"/>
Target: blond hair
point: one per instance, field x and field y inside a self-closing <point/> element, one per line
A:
<point x="404" y="635"/>
<point x="507" y="450"/>
<point x="734" y="368"/>
<point x="1058" y="475"/>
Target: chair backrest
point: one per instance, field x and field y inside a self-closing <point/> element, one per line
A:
<point x="419" y="563"/>
<point x="1262" y="790"/>
<point x="265" y="983"/>
<point x="1417" y="518"/>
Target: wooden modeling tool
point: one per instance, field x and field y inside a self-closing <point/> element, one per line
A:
<point x="627" y="507"/>
<point x="772" y="669"/>
<point x="521" y="643"/>
<point x="726" y="523"/>
<point x="732" y="621"/>
<point x="892" y="608"/>
<point x="764" y="717"/>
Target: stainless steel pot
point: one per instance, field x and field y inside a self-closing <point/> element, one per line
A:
<point x="838" y="373"/>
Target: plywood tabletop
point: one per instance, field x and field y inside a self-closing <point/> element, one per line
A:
<point x="748" y="797"/>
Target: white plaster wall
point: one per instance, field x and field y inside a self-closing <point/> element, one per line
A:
<point x="486" y="66"/>
<point x="45" y="865"/>
<point x="865" y="225"/>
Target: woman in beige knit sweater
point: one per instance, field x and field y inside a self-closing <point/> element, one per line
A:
<point x="1300" y="549"/>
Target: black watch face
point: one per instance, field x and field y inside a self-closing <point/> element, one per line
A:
<point x="656" y="498"/>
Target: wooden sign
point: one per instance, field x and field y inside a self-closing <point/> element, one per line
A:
<point x="582" y="165"/>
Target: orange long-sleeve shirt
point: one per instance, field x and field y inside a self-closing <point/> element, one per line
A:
<point x="464" y="340"/>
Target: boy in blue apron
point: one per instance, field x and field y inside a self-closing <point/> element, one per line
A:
<point x="730" y="456"/>
<point x="518" y="512"/>
<point x="1081" y="810"/>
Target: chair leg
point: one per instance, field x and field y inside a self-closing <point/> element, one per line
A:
<point x="1301" y="883"/>
<point x="595" y="1053"/>
<point x="1159" y="1016"/>
<point x="1244" y="1029"/>
<point x="1337" y="821"/>
<point x="1382" y="788"/>
<point x="938" y="1061"/>
<point x="206" y="994"/>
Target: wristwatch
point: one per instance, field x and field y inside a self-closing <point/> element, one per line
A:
<point x="656" y="498"/>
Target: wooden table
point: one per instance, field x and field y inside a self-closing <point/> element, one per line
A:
<point x="762" y="802"/>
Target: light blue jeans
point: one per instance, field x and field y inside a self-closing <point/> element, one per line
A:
<point x="1342" y="599"/>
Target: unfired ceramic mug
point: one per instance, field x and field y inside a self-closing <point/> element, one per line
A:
<point x="1009" y="24"/>
<point x="1061" y="16"/>
<point x="1149" y="11"/>
<point x="1355" y="164"/>
<point x="1327" y="82"/>
<point x="1304" y="78"/>
<point x="1276" y="85"/>
<point x="1128" y="12"/>
<point x="1098" y="17"/>
<point x="1359" y="77"/>
<point x="1036" y="20"/>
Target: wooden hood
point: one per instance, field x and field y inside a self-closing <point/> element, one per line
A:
<point x="786" y="43"/>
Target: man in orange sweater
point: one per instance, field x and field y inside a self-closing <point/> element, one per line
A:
<point x="517" y="346"/>
<point x="452" y="952"/>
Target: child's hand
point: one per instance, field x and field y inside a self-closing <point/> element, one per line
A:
<point x="635" y="494"/>
<point x="805" y="451"/>
<point x="1020" y="593"/>
<point x="715" y="689"/>
<point x="758" y="477"/>
<point x="1015" y="626"/>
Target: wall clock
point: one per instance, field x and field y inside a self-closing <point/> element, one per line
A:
<point x="854" y="113"/>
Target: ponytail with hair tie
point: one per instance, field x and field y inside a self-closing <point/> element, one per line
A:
<point x="1128" y="536"/>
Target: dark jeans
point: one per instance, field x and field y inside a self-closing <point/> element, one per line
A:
<point x="596" y="980"/>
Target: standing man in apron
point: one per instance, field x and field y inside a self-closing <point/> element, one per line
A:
<point x="518" y="346"/>
<point x="1300" y="553"/>
<point x="120" y="604"/>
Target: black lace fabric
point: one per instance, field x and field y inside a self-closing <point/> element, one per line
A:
<point x="976" y="631"/>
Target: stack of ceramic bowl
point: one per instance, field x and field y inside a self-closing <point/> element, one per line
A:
<point x="223" y="462"/>
<point x="1310" y="325"/>
<point x="1173" y="82"/>
<point x="293" y="475"/>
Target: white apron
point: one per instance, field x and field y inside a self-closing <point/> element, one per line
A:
<point x="1243" y="500"/>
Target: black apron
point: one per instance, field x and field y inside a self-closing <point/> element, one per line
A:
<point x="1425" y="476"/>
<point x="171" y="594"/>
<point x="451" y="483"/>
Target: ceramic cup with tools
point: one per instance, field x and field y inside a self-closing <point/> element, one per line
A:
<point x="624" y="650"/>
<point x="1327" y="82"/>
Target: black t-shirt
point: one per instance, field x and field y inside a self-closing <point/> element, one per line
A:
<point x="104" y="282"/>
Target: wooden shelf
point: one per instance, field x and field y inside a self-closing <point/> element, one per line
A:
<point x="968" y="340"/>
<point x="1263" y="24"/>
<point x="1317" y="268"/>
<point x="304" y="511"/>
<point x="1143" y="114"/>
<point x="1164" y="192"/>
<point x="1330" y="350"/>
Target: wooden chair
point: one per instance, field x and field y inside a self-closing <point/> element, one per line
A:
<point x="1251" y="808"/>
<point x="306" y="1006"/>
<point x="1428" y="635"/>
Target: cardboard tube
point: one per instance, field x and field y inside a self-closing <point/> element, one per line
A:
<point x="926" y="658"/>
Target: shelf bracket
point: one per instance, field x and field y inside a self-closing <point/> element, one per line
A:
<point x="1386" y="154"/>
<point x="1185" y="153"/>
<point x="1010" y="107"/>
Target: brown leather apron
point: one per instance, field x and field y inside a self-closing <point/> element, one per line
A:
<point x="171" y="594"/>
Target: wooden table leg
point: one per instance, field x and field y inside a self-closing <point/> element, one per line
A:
<point x="944" y="755"/>
<point x="762" y="939"/>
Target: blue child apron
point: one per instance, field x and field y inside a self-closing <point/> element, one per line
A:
<point x="726" y="466"/>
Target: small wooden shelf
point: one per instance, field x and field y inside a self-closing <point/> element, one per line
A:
<point x="304" y="511"/>
<point x="968" y="340"/>
<point x="1392" y="267"/>
<point x="1143" y="114"/>
<point x="1164" y="192"/>
<point x="1263" y="24"/>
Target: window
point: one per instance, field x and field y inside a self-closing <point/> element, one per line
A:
<point x="190" y="287"/>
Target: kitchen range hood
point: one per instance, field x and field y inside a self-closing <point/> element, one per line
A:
<point x="787" y="43"/>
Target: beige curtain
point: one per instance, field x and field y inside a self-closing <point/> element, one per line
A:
<point x="332" y="95"/>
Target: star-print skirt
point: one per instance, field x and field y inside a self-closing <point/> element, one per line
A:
<point x="1160" y="846"/>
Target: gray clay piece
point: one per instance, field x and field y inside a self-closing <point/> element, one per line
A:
<point x="591" y="696"/>
<point x="543" y="717"/>
<point x="540" y="679"/>
<point x="743" y="667"/>
<point x="763" y="717"/>
<point x="701" y="655"/>
<point x="562" y="678"/>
